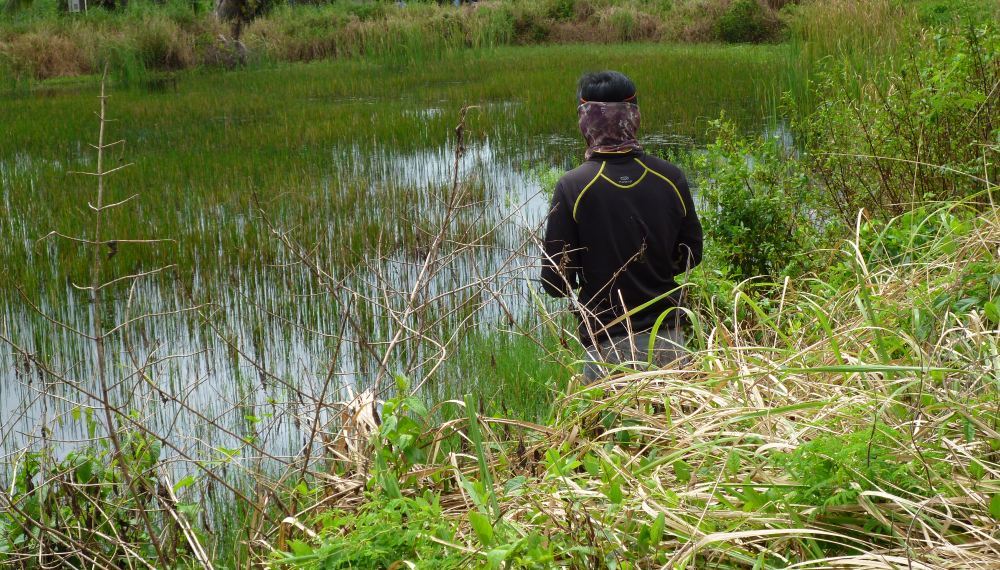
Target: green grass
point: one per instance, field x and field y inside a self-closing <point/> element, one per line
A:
<point x="202" y="147"/>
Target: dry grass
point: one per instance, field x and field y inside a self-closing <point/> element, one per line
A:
<point x="821" y="432"/>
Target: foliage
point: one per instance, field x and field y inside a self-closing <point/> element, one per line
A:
<point x="760" y="210"/>
<point x="39" y="41"/>
<point x="93" y="497"/>
<point x="792" y="433"/>
<point x="934" y="231"/>
<point x="743" y="22"/>
<point x="918" y="134"/>
<point x="964" y="13"/>
<point x="404" y="425"/>
<point x="834" y="471"/>
<point x="382" y="532"/>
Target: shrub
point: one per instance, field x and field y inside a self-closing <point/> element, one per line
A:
<point x="745" y="21"/>
<point x="161" y="44"/>
<point x="917" y="133"/>
<point x="93" y="494"/>
<point x="530" y="27"/>
<point x="833" y="471"/>
<point x="367" y="11"/>
<point x="695" y="21"/>
<point x="561" y="9"/>
<point x="965" y="12"/>
<point x="761" y="213"/>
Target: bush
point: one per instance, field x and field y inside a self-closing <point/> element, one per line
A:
<point x="964" y="12"/>
<point x="744" y="22"/>
<point x="916" y="133"/>
<point x="161" y="44"/>
<point x="561" y="9"/>
<point x="93" y="494"/>
<point x="761" y="212"/>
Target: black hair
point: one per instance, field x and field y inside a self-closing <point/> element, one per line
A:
<point x="605" y="87"/>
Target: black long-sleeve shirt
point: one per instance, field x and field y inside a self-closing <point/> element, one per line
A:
<point x="621" y="228"/>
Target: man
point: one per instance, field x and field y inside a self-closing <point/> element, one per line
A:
<point x="621" y="228"/>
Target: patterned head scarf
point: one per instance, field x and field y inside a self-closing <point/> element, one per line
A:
<point x="609" y="127"/>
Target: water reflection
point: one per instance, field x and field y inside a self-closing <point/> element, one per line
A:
<point x="271" y="314"/>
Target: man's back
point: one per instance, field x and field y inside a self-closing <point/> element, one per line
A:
<point x="622" y="227"/>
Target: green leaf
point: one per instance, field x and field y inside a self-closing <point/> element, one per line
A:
<point x="992" y="311"/>
<point x="299" y="548"/>
<point x="614" y="492"/>
<point x="402" y="383"/>
<point x="642" y="544"/>
<point x="995" y="506"/>
<point x="482" y="526"/>
<point x="496" y="556"/>
<point x="190" y="510"/>
<point x="976" y="470"/>
<point x="416" y="406"/>
<point x="390" y="485"/>
<point x="682" y="470"/>
<point x="656" y="530"/>
<point x="85" y="471"/>
<point x="733" y="462"/>
<point x="514" y="484"/>
<point x="184" y="483"/>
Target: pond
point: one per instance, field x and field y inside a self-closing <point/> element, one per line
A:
<point x="352" y="162"/>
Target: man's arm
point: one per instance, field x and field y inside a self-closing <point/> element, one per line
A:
<point x="560" y="268"/>
<point x="689" y="239"/>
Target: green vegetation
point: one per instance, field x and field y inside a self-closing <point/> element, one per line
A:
<point x="41" y="41"/>
<point x="209" y="141"/>
<point x="760" y="212"/>
<point x="791" y="438"/>
<point x="744" y="21"/>
<point x="840" y="406"/>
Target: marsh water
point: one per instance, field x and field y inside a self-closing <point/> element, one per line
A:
<point x="352" y="160"/>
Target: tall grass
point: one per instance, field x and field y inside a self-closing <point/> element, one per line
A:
<point x="868" y="37"/>
<point x="809" y="430"/>
<point x="349" y="158"/>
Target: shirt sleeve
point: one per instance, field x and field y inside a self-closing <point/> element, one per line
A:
<point x="690" y="237"/>
<point x="561" y="265"/>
